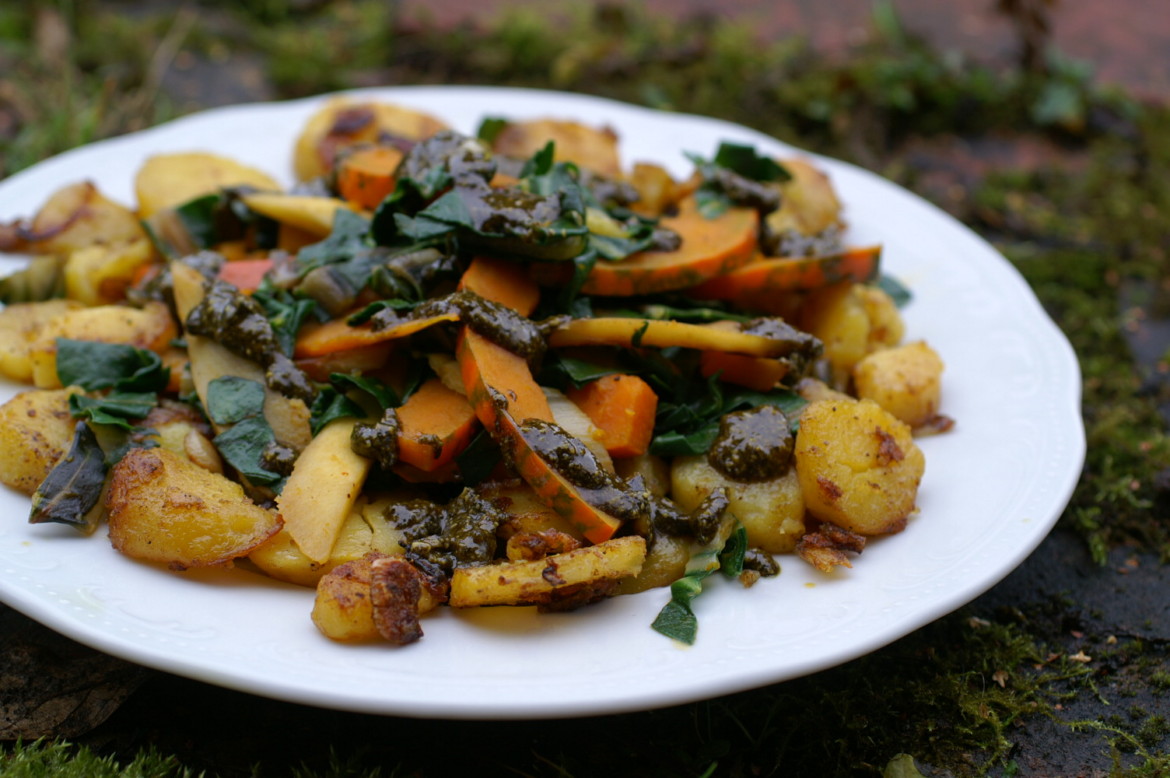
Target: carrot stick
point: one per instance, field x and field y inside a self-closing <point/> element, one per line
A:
<point x="758" y="373"/>
<point x="366" y="176"/>
<point x="502" y="281"/>
<point x="623" y="407"/>
<point x="316" y="340"/>
<point x="434" y="425"/>
<point x="246" y="274"/>
<point x="710" y="247"/>
<point x="791" y="274"/>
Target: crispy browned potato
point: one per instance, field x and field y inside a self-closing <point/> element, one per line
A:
<point x="76" y="217"/>
<point x="859" y="467"/>
<point x="906" y="381"/>
<point x="593" y="570"/>
<point x="36" y="429"/>
<point x="808" y="203"/>
<point x="165" y="508"/>
<point x="590" y="148"/>
<point x="101" y="273"/>
<point x="20" y="326"/>
<point x="772" y="511"/>
<point x="151" y="328"/>
<point x="341" y="123"/>
<point x="344" y="610"/>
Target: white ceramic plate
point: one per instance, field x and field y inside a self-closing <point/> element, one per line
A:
<point x="993" y="487"/>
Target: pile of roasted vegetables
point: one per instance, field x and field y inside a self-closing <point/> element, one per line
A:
<point x="443" y="369"/>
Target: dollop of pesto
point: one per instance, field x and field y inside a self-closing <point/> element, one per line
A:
<point x="377" y="441"/>
<point x="440" y="538"/>
<point x="574" y="462"/>
<point x="235" y="320"/>
<point x="753" y="445"/>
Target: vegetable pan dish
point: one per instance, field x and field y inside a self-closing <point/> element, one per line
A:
<point x="506" y="369"/>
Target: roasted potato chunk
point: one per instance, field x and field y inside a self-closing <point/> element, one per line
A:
<point x="79" y="216"/>
<point x="20" y="326"/>
<point x="772" y="511"/>
<point x="906" y="381"/>
<point x="859" y="467"/>
<point x="344" y="608"/>
<point x="590" y="148"/>
<point x="100" y="274"/>
<point x="546" y="581"/>
<point x="165" y="508"/>
<point x="341" y="123"/>
<point x="851" y="320"/>
<point x="36" y="429"/>
<point x="151" y="328"/>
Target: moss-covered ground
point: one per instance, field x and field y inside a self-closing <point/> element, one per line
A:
<point x="1055" y="672"/>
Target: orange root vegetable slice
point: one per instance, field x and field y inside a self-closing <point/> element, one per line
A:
<point x="435" y="424"/>
<point x="575" y="504"/>
<point x="635" y="333"/>
<point x="502" y="281"/>
<point x="757" y="373"/>
<point x="710" y="247"/>
<point x="496" y="379"/>
<point x="317" y="340"/>
<point x="623" y="407"/>
<point x="364" y="359"/>
<point x="245" y="274"/>
<point x="366" y="176"/>
<point x="792" y="274"/>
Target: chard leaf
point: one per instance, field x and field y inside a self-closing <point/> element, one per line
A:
<point x="286" y="313"/>
<point x="115" y="409"/>
<point x="330" y="405"/>
<point x="349" y="237"/>
<point x="74" y="485"/>
<point x="243" y="445"/>
<point x="231" y="399"/>
<point x="490" y="127"/>
<point x="479" y="459"/>
<point x="561" y="370"/>
<point x="677" y="619"/>
<point x="747" y="162"/>
<point x="93" y="365"/>
<point x="898" y="291"/>
<point x="367" y="313"/>
<point x="385" y="396"/>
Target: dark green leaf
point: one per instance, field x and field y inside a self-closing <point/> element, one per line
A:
<point x="479" y="459"/>
<point x="199" y="218"/>
<point x="231" y="399"/>
<point x="115" y="408"/>
<point x="330" y="405"/>
<point x="898" y="291"/>
<point x="286" y="313"/>
<point x="243" y="445"/>
<point x="561" y="370"/>
<point x="383" y="394"/>
<point x="490" y="127"/>
<point x="74" y="485"/>
<point x="732" y="556"/>
<point x="676" y="620"/>
<point x="92" y="365"/>
<point x="367" y="313"/>
<point x="349" y="236"/>
<point x="747" y="162"/>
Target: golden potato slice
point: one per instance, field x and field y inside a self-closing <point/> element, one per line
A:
<point x="341" y="123"/>
<point x="592" y="569"/>
<point x="151" y="328"/>
<point x="322" y="489"/>
<point x="859" y="467"/>
<point x="906" y="381"/>
<point x="590" y="148"/>
<point x="771" y="511"/>
<point x="852" y="320"/>
<point x="101" y="273"/>
<point x="311" y="215"/>
<point x="20" y="326"/>
<point x="169" y="180"/>
<point x="36" y="429"/>
<point x="78" y="216"/>
<point x="165" y="508"/>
